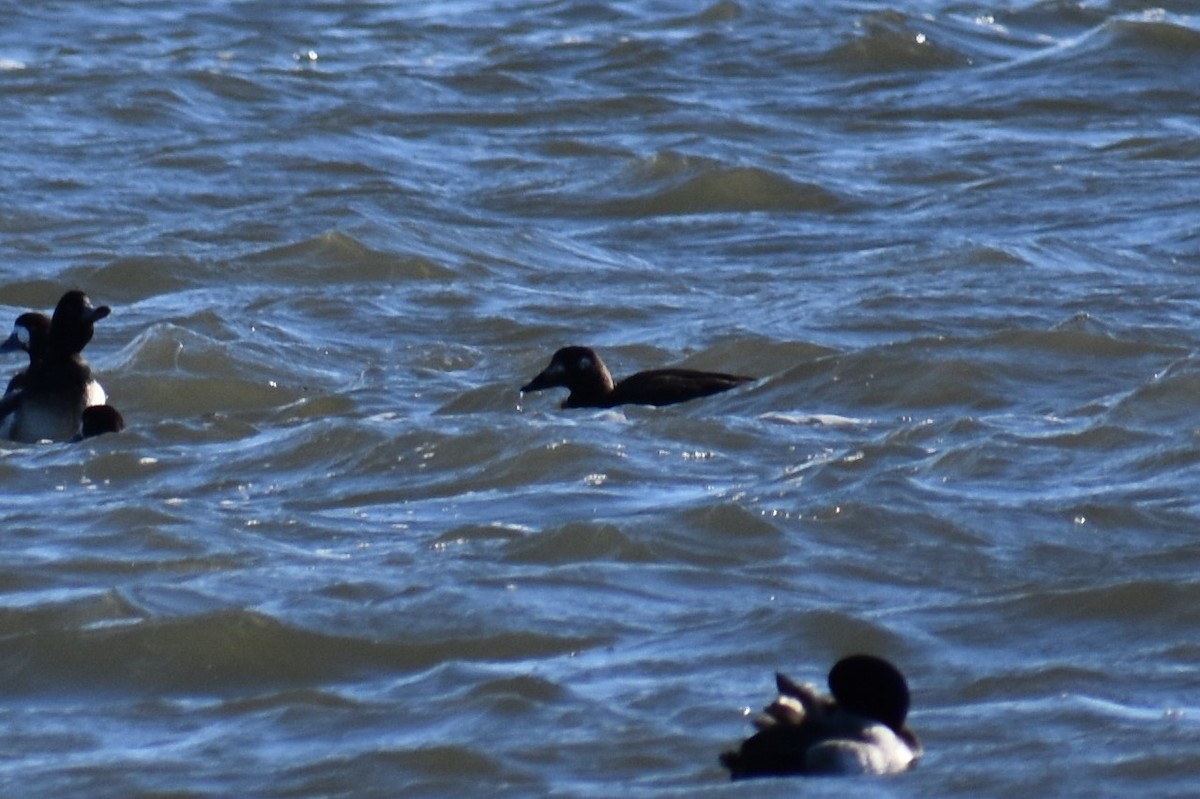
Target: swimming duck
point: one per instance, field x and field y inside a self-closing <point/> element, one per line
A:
<point x="860" y="729"/>
<point x="580" y="370"/>
<point x="49" y="399"/>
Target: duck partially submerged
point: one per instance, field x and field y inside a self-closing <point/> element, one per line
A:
<point x="860" y="729"/>
<point x="580" y="371"/>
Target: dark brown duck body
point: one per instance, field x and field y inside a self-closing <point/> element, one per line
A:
<point x="580" y="371"/>
<point x="860" y="729"/>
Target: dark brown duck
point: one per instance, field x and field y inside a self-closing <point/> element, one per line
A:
<point x="580" y="371"/>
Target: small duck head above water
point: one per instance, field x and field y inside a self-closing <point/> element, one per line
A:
<point x="101" y="419"/>
<point x="860" y="729"/>
<point x="580" y="370"/>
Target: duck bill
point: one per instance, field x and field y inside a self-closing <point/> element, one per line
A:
<point x="96" y="314"/>
<point x="542" y="381"/>
<point x="550" y="377"/>
<point x="12" y="344"/>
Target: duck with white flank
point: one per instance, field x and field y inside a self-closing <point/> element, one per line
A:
<point x="47" y="400"/>
<point x="580" y="370"/>
<point x="859" y="730"/>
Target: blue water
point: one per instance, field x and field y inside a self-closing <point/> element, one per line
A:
<point x="337" y="553"/>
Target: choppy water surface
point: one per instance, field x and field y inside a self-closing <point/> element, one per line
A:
<point x="337" y="554"/>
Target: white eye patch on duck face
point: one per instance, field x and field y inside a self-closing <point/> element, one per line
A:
<point x="22" y="335"/>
